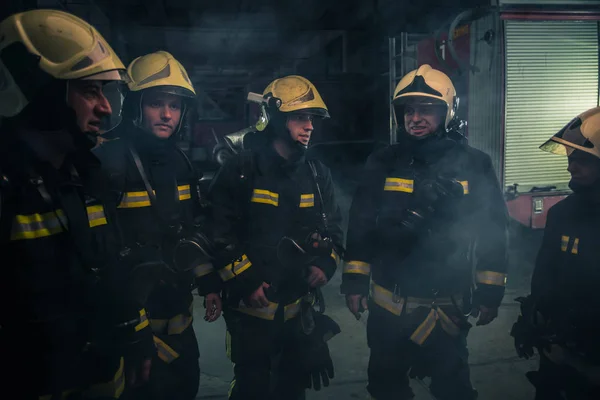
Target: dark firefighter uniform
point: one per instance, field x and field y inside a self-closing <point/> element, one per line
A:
<point x="566" y="276"/>
<point x="258" y="198"/>
<point x="418" y="280"/>
<point x="159" y="223"/>
<point x="68" y="321"/>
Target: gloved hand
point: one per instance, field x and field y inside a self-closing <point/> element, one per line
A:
<point x="310" y="353"/>
<point x="524" y="337"/>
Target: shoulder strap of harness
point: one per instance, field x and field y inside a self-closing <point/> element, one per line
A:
<point x="314" y="167"/>
<point x="6" y="208"/>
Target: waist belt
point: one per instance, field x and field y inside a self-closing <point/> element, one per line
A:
<point x="174" y="325"/>
<point x="396" y="305"/>
<point x="106" y="390"/>
<point x="289" y="311"/>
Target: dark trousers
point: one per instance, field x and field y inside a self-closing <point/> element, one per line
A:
<point x="255" y="346"/>
<point x="393" y="356"/>
<point x="177" y="380"/>
<point x="555" y="382"/>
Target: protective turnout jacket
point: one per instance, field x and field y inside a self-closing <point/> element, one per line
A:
<point x="67" y="313"/>
<point x="258" y="198"/>
<point x="158" y="226"/>
<point x="464" y="242"/>
<point x="566" y="275"/>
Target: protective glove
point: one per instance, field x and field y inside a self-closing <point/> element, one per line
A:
<point x="524" y="337"/>
<point x="310" y="353"/>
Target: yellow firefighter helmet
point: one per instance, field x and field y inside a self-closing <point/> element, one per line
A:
<point x="297" y="94"/>
<point x="582" y="133"/>
<point x="38" y="46"/>
<point x="429" y="83"/>
<point x="160" y="70"/>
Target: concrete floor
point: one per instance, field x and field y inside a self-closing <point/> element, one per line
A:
<point x="496" y="371"/>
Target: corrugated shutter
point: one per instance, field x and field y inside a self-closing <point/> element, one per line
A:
<point x="551" y="76"/>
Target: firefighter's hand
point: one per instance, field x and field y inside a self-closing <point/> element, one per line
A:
<point x="139" y="373"/>
<point x="486" y="315"/>
<point x="316" y="277"/>
<point x="258" y="299"/>
<point x="356" y="303"/>
<point x="214" y="307"/>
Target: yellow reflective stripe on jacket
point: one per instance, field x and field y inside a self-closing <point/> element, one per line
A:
<point x="141" y="199"/>
<point x="143" y="321"/>
<point x="184" y="192"/>
<point x="291" y="310"/>
<point x="236" y="268"/>
<point x="179" y="323"/>
<point x="164" y="351"/>
<point x="564" y="243"/>
<point x="336" y="257"/>
<point x="307" y="200"/>
<point x="265" y="197"/>
<point x="267" y="313"/>
<point x="399" y="185"/>
<point x="384" y="298"/>
<point x="357" y="267"/>
<point x="575" y="249"/>
<point x="135" y="200"/>
<point x="203" y="270"/>
<point x="96" y="215"/>
<point x="491" y="278"/>
<point x="465" y="185"/>
<point x="35" y="226"/>
<point x="436" y="314"/>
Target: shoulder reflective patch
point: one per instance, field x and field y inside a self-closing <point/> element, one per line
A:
<point x="564" y="243"/>
<point x="465" y="185"/>
<point x="96" y="215"/>
<point x="135" y="200"/>
<point x="307" y="200"/>
<point x="575" y="249"/>
<point x="184" y="192"/>
<point x="35" y="226"/>
<point x="265" y="197"/>
<point x="399" y="185"/>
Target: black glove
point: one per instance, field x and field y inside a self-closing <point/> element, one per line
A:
<point x="524" y="330"/>
<point x="310" y="353"/>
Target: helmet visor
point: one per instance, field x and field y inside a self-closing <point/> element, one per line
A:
<point x="568" y="139"/>
<point x="114" y="93"/>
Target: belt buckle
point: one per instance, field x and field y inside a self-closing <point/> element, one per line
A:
<point x="396" y="298"/>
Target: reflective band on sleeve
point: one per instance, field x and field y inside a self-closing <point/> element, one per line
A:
<point x="230" y="271"/>
<point x="112" y="389"/>
<point x="184" y="192"/>
<point x="265" y="197"/>
<point x="36" y="226"/>
<point x="159" y="325"/>
<point x="164" y="351"/>
<point x="96" y="215"/>
<point x="143" y="321"/>
<point x="307" y="200"/>
<point x="491" y="278"/>
<point x="135" y="200"/>
<point x="357" y="267"/>
<point x="564" y="243"/>
<point x="399" y="185"/>
<point x="291" y="310"/>
<point x="465" y="185"/>
<point x="203" y="269"/>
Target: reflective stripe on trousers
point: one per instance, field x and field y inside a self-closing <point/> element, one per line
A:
<point x="385" y="299"/>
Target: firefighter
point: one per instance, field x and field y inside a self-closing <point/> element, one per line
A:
<point x="161" y="208"/>
<point x="560" y="316"/>
<point x="277" y="237"/>
<point x="427" y="212"/>
<point x="67" y="314"/>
